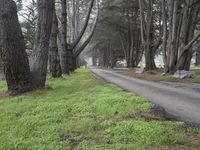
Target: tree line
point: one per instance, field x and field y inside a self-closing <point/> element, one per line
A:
<point x="131" y="29"/>
<point x="53" y="32"/>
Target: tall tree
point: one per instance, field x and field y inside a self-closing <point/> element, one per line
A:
<point x="39" y="56"/>
<point x="54" y="60"/>
<point x="12" y="47"/>
<point x="63" y="55"/>
<point x="198" y="56"/>
<point x="181" y="23"/>
<point x="17" y="71"/>
<point x="150" y="46"/>
<point x="67" y="55"/>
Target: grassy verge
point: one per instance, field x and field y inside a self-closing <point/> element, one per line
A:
<point x="156" y="76"/>
<point x="84" y="112"/>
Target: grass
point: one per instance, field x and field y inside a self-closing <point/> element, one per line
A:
<point x="83" y="112"/>
<point x="156" y="76"/>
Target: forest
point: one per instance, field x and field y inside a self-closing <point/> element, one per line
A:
<point x="55" y="33"/>
<point x="74" y="65"/>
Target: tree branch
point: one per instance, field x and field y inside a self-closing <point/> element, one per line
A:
<point x="73" y="45"/>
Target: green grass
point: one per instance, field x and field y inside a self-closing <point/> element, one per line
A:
<point x="156" y="76"/>
<point x="81" y="112"/>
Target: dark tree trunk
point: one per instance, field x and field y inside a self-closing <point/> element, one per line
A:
<point x="182" y="21"/>
<point x="147" y="36"/>
<point x="70" y="60"/>
<point x="149" y="60"/>
<point x="75" y="65"/>
<point x="198" y="56"/>
<point x="39" y="57"/>
<point x="12" y="47"/>
<point x="54" y="61"/>
<point x="63" y="53"/>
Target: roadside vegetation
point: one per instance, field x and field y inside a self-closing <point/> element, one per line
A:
<point x="84" y="112"/>
<point x="156" y="75"/>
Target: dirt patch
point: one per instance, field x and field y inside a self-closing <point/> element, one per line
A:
<point x="74" y="138"/>
<point x="156" y="113"/>
<point x="192" y="142"/>
<point x="150" y="116"/>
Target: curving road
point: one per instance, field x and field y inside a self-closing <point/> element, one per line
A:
<point x="181" y="103"/>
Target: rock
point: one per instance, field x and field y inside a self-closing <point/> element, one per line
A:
<point x="182" y="74"/>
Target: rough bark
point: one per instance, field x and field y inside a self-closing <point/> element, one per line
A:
<point x="198" y="56"/>
<point x="63" y="53"/>
<point x="54" y="61"/>
<point x="39" y="56"/>
<point x="12" y="48"/>
<point x="164" y="44"/>
<point x="182" y="21"/>
<point x="146" y="19"/>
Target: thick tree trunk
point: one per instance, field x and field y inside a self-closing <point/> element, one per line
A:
<point x="39" y="57"/>
<point x="182" y="23"/>
<point x="12" y="47"/>
<point x="146" y="21"/>
<point x="149" y="59"/>
<point x="70" y="58"/>
<point x="54" y="61"/>
<point x="75" y="64"/>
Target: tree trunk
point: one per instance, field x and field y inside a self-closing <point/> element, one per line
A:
<point x="164" y="44"/>
<point x="39" y="57"/>
<point x="149" y="59"/>
<point x="146" y="21"/>
<point x="70" y="58"/>
<point x="12" y="47"/>
<point x="54" y="60"/>
<point x="182" y="22"/>
<point x="63" y="53"/>
<point x="198" y="56"/>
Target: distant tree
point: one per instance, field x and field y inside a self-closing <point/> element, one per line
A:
<point x="117" y="35"/>
<point x="148" y="30"/>
<point x="179" y="23"/>
<point x="72" y="34"/>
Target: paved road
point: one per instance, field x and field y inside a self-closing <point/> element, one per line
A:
<point x="182" y="104"/>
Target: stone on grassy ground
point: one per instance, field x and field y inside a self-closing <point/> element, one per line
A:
<point x="182" y="74"/>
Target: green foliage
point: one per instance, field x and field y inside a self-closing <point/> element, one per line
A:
<point x="81" y="112"/>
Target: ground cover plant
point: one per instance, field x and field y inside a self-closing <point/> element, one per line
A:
<point x="81" y="111"/>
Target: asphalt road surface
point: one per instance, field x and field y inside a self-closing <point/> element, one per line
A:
<point x="182" y="104"/>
